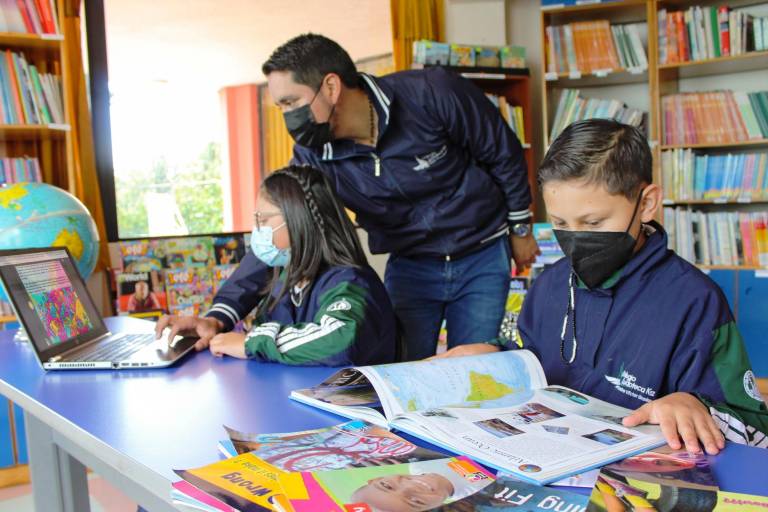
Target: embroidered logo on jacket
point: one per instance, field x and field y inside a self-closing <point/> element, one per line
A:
<point x="340" y="305"/>
<point x="750" y="386"/>
<point x="626" y="383"/>
<point x="426" y="161"/>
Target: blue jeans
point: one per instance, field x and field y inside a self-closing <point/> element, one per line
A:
<point x="470" y="293"/>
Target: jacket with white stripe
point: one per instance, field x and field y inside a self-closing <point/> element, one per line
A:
<point x="344" y="317"/>
<point x="656" y="327"/>
<point x="446" y="174"/>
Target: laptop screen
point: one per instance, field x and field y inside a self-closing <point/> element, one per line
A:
<point x="50" y="297"/>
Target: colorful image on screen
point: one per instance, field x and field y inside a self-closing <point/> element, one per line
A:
<point x="54" y="300"/>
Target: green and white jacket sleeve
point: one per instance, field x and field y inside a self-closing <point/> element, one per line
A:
<point x="328" y="340"/>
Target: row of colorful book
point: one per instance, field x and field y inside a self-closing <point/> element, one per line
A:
<point x="687" y="175"/>
<point x="29" y="16"/>
<point x="179" y="276"/>
<point x="595" y="47"/>
<point x="512" y="114"/>
<point x="707" y="32"/>
<point x="718" y="238"/>
<point x="15" y="170"/>
<point x="554" y="4"/>
<point x="28" y="97"/>
<point x="572" y="107"/>
<point x="714" y="117"/>
<point x="434" y="53"/>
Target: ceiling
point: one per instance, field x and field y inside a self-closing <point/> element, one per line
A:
<point x="213" y="43"/>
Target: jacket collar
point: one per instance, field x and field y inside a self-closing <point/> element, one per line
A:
<point x="381" y="96"/>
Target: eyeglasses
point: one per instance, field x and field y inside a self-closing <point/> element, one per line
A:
<point x="261" y="218"/>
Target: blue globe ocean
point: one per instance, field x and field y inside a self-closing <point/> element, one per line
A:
<point x="41" y="215"/>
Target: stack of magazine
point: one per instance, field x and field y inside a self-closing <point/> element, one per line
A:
<point x="355" y="466"/>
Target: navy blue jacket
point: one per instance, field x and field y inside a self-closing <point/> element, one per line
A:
<point x="656" y="327"/>
<point x="344" y="317"/>
<point x="446" y="174"/>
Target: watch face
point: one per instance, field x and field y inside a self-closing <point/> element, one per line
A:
<point x="521" y="229"/>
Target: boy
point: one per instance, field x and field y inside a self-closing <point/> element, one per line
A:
<point x="641" y="327"/>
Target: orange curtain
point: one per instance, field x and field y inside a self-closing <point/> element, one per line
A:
<point x="413" y="20"/>
<point x="278" y="144"/>
<point x="82" y="180"/>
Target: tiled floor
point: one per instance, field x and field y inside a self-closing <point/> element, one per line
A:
<point x="104" y="498"/>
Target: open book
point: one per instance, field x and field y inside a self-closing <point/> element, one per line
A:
<point x="496" y="408"/>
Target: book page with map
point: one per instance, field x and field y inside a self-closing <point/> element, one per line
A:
<point x="496" y="408"/>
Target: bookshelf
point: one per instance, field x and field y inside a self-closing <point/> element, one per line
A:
<point x="48" y="141"/>
<point x="646" y="88"/>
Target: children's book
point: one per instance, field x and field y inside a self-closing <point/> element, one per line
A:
<point x="518" y="287"/>
<point x="506" y="493"/>
<point x="496" y="408"/>
<point x="662" y="480"/>
<point x="189" y="290"/>
<point x="228" y="249"/>
<point x="414" y="486"/>
<point x="186" y="494"/>
<point x="220" y="274"/>
<point x="248" y="480"/>
<point x="189" y="252"/>
<point x="142" y="255"/>
<point x="140" y="293"/>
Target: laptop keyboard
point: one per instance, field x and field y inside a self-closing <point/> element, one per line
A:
<point x="117" y="349"/>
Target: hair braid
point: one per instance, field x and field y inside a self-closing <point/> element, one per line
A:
<point x="309" y="196"/>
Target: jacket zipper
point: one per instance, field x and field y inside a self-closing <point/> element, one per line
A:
<point x="376" y="165"/>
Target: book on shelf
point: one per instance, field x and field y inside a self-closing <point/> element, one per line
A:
<point x="15" y="170"/>
<point x="594" y="47"/>
<point x="735" y="177"/>
<point x="29" y="16"/>
<point x="190" y="252"/>
<point x="718" y="238"/>
<point x="496" y="408"/>
<point x="140" y="293"/>
<point x="142" y="255"/>
<point x="512" y="114"/>
<point x="552" y="4"/>
<point x="572" y="107"/>
<point x="708" y="32"/>
<point x="714" y="117"/>
<point x="28" y="97"/>
<point x="228" y="249"/>
<point x="189" y="290"/>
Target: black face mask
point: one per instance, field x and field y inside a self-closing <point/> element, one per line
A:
<point x="304" y="129"/>
<point x="597" y="255"/>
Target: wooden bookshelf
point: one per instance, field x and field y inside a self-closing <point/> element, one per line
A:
<point x="659" y="80"/>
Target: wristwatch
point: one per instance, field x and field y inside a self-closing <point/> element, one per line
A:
<point x="521" y="229"/>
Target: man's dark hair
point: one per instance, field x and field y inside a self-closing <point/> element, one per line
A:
<point x="600" y="151"/>
<point x="320" y="230"/>
<point x="309" y="57"/>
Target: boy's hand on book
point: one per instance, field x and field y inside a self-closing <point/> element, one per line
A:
<point x="681" y="416"/>
<point x="205" y="328"/>
<point x="471" y="349"/>
<point x="230" y="344"/>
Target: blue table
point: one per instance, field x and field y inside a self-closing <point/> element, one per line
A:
<point x="134" y="427"/>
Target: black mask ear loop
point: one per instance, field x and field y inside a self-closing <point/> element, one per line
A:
<point x="571" y="309"/>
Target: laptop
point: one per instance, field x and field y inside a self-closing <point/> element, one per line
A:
<point x="64" y="327"/>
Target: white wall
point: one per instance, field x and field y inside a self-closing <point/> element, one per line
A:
<point x="479" y="22"/>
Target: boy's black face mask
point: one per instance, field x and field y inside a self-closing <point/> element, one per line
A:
<point x="597" y="255"/>
<point x="304" y="129"/>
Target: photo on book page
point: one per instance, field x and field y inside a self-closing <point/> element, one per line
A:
<point x="662" y="480"/>
<point x="413" y="487"/>
<point x="352" y="444"/>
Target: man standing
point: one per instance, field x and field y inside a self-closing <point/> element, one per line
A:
<point x="433" y="173"/>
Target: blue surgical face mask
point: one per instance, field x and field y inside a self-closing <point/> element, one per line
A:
<point x="265" y="250"/>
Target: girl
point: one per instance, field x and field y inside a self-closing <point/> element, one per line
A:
<point x="319" y="303"/>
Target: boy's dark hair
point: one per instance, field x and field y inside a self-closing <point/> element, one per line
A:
<point x="601" y="151"/>
<point x="320" y="230"/>
<point x="309" y="57"/>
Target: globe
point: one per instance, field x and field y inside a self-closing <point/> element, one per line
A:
<point x="41" y="215"/>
